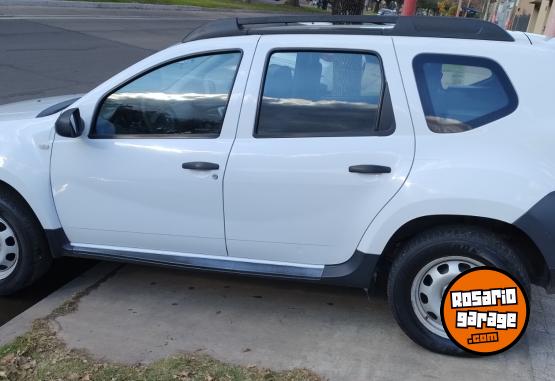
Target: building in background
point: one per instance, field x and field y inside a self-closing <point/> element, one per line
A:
<point x="522" y="15"/>
<point x="539" y="13"/>
<point x="504" y="12"/>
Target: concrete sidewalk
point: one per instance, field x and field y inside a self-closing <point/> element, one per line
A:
<point x="143" y="314"/>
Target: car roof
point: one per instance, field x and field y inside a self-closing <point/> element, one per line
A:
<point x="415" y="26"/>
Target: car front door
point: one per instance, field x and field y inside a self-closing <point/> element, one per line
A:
<point x="147" y="174"/>
<point x="324" y="141"/>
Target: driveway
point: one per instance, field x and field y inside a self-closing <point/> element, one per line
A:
<point x="142" y="314"/>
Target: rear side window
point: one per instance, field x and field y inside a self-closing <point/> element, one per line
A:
<point x="321" y="94"/>
<point x="460" y="93"/>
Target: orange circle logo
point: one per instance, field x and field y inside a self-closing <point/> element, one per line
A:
<point x="485" y="310"/>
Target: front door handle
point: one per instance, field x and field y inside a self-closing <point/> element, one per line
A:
<point x="200" y="166"/>
<point x="371" y="169"/>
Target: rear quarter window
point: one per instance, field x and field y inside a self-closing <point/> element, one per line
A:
<point x="460" y="93"/>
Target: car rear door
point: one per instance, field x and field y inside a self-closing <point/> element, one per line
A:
<point x="324" y="141"/>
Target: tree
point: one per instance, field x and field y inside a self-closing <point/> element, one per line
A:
<point x="447" y="7"/>
<point x="347" y="66"/>
<point x="347" y="7"/>
<point x="429" y="5"/>
<point x="293" y="3"/>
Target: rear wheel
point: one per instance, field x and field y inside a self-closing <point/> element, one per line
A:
<point x="24" y="254"/>
<point x="428" y="287"/>
<point x="426" y="265"/>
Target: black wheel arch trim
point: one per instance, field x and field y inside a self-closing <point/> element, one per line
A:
<point x="539" y="224"/>
<point x="358" y="271"/>
<point x="57" y="241"/>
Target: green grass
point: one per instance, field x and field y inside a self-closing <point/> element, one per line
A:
<point x="40" y="355"/>
<point x="222" y="4"/>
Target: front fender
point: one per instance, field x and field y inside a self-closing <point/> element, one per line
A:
<point x="25" y="149"/>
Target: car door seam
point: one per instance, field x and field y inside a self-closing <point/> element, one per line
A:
<point x="253" y="56"/>
<point x="413" y="145"/>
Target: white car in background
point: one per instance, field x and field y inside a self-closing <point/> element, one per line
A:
<point x="346" y="150"/>
<point x="387" y="12"/>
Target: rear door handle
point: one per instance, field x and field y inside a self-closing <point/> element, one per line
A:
<point x="371" y="169"/>
<point x="200" y="166"/>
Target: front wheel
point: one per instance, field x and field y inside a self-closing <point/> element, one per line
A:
<point x="24" y="254"/>
<point x="427" y="264"/>
<point x="9" y="250"/>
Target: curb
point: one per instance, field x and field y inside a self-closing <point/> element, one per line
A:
<point x="23" y="322"/>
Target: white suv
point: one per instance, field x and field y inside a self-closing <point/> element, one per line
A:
<point x="342" y="150"/>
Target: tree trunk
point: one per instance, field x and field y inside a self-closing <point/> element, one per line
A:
<point x="347" y="74"/>
<point x="347" y="7"/>
<point x="347" y="66"/>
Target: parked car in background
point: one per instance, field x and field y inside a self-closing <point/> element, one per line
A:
<point x="342" y="150"/>
<point x="387" y="12"/>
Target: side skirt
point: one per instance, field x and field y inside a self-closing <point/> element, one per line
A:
<point x="358" y="271"/>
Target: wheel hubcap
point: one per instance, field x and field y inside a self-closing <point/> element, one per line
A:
<point x="429" y="285"/>
<point x="9" y="250"/>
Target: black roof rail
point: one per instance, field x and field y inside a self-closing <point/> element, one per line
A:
<point x="412" y="26"/>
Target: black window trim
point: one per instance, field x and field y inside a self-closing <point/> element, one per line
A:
<point x="465" y="60"/>
<point x="142" y="73"/>
<point x="384" y="91"/>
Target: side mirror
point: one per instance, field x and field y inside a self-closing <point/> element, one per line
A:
<point x="70" y="124"/>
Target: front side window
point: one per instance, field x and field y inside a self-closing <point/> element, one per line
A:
<point x="187" y="98"/>
<point x="319" y="94"/>
<point x="461" y="93"/>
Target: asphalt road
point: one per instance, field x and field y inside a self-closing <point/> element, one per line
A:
<point x="56" y="50"/>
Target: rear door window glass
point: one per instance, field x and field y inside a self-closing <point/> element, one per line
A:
<point x="322" y="94"/>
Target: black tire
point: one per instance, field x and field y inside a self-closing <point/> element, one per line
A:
<point x="34" y="256"/>
<point x="465" y="241"/>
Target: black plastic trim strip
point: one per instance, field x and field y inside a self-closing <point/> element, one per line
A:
<point x="211" y="264"/>
<point x="407" y="26"/>
<point x="357" y="271"/>
<point x="57" y="241"/>
<point x="57" y="107"/>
